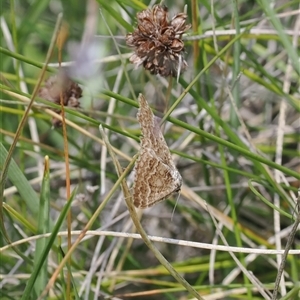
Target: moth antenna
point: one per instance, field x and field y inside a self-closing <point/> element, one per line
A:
<point x="175" y="206"/>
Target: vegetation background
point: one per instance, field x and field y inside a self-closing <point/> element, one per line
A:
<point x="234" y="135"/>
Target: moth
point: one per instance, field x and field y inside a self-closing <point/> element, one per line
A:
<point x="156" y="176"/>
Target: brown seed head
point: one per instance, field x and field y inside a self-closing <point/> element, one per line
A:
<point x="157" y="41"/>
<point x="61" y="85"/>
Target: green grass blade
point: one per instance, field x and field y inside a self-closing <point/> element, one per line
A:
<point x="16" y="176"/>
<point x="27" y="294"/>
<point x="43" y="227"/>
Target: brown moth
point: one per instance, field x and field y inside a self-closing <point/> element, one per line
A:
<point x="156" y="176"/>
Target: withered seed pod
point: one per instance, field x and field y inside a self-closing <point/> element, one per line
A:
<point x="157" y="41"/>
<point x="54" y="86"/>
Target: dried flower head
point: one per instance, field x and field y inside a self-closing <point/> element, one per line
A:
<point x="157" y="41"/>
<point x="61" y="85"/>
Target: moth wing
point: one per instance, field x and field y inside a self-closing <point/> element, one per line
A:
<point x="154" y="180"/>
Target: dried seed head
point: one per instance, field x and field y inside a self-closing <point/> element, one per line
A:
<point x="157" y="41"/>
<point x="61" y="84"/>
